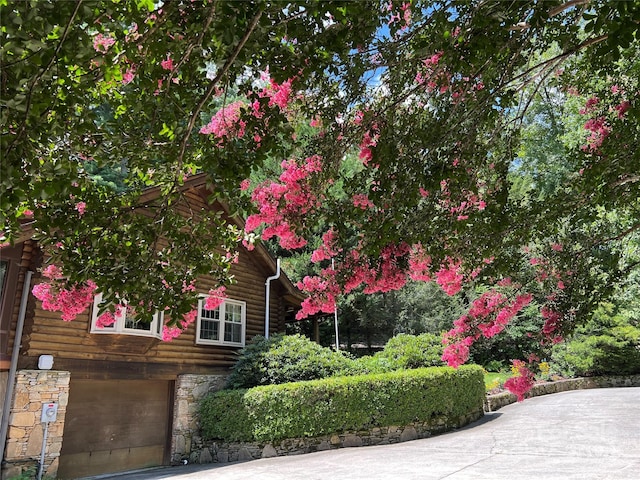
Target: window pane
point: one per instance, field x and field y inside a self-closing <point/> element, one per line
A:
<point x="233" y="332"/>
<point x="210" y="324"/>
<point x="137" y="324"/>
<point x="233" y="313"/>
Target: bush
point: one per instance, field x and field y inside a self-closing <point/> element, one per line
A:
<point x="597" y="355"/>
<point x="333" y="405"/>
<point x="413" y="351"/>
<point x="282" y="359"/>
<point x="608" y="344"/>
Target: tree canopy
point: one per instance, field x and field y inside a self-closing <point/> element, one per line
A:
<point x="442" y="103"/>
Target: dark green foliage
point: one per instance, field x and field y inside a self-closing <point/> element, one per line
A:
<point x="609" y="344"/>
<point x="414" y="351"/>
<point x="319" y="407"/>
<point x="282" y="359"/>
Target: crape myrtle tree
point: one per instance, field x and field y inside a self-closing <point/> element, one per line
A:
<point x="430" y="96"/>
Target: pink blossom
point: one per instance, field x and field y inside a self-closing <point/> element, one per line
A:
<point x="419" y="264"/>
<point x="590" y="105"/>
<point x="102" y="43"/>
<point x="69" y="301"/>
<point x="169" y="333"/>
<point x="216" y="298"/>
<point x="327" y="249"/>
<point x="622" y="108"/>
<point x="105" y="320"/>
<point x="226" y="123"/>
<point x="362" y="201"/>
<point x="53" y="272"/>
<point x="449" y="278"/>
<point x="522" y="382"/>
<point x="188" y="318"/>
<point x="245" y="184"/>
<point x="599" y="131"/>
<point x="80" y="207"/>
<point x="167" y="64"/>
<point x="552" y="321"/>
<point x="556" y="247"/>
<point x="128" y="76"/>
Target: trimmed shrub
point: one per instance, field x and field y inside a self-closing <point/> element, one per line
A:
<point x="333" y="405"/>
<point x="414" y="351"/>
<point x="402" y="352"/>
<point x="282" y="359"/>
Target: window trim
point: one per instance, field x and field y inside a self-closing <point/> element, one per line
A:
<point x="223" y="323"/>
<point x="119" y="328"/>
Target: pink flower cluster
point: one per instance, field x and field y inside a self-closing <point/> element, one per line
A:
<point x="419" y="264"/>
<point x="449" y="277"/>
<point x="102" y="43"/>
<point x="108" y="318"/>
<point x="327" y="250"/>
<point x="322" y="291"/>
<point x="280" y="203"/>
<point x="216" y="298"/>
<point x="226" y="123"/>
<point x="522" y="381"/>
<point x="488" y="315"/>
<point x="362" y="201"/>
<point x="430" y="76"/>
<point x="369" y="140"/>
<point x="278" y="94"/>
<point x="169" y="333"/>
<point x="552" y="323"/>
<point x="599" y="131"/>
<point x="69" y="301"/>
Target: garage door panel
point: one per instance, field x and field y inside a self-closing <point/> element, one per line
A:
<point x="114" y="425"/>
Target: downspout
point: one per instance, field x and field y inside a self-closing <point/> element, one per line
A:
<point x="17" y="344"/>
<point x="267" y="295"/>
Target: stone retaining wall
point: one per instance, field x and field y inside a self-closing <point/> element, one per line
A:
<point x="221" y="452"/>
<point x="495" y="402"/>
<point x="25" y="435"/>
<point x="189" y="391"/>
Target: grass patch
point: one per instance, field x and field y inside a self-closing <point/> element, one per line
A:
<point x="495" y="380"/>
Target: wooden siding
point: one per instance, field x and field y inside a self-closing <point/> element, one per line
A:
<point x="46" y="333"/>
<point x="71" y="343"/>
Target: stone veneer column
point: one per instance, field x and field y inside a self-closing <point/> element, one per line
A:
<point x="185" y="432"/>
<point x="24" y="438"/>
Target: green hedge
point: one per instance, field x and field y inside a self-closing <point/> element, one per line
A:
<point x="333" y="405"/>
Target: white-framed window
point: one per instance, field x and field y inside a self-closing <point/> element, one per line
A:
<point x="224" y="325"/>
<point x="127" y="325"/>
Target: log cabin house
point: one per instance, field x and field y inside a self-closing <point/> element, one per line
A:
<point x="125" y="399"/>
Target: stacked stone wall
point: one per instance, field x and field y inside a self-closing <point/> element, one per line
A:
<point x="33" y="388"/>
<point x="222" y="452"/>
<point x="499" y="400"/>
<point x="189" y="391"/>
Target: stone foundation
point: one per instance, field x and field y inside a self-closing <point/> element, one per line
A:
<point x="24" y="438"/>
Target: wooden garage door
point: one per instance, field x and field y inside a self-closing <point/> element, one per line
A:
<point x="115" y="426"/>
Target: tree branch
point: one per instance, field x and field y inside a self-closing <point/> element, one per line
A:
<point x="212" y="86"/>
<point x="36" y="80"/>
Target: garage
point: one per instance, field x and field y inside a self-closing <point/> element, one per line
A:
<point x="115" y="425"/>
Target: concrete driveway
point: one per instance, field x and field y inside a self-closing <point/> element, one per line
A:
<point x="583" y="434"/>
